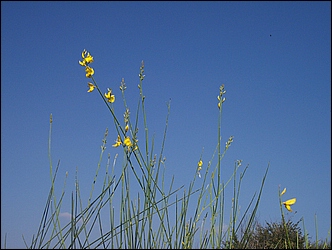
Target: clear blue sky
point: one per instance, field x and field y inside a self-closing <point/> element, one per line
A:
<point x="273" y="57"/>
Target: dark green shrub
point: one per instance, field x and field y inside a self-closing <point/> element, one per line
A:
<point x="273" y="235"/>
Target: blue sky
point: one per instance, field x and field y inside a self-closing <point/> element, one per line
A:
<point x="273" y="57"/>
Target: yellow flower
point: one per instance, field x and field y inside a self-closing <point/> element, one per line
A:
<point x="87" y="58"/>
<point x="288" y="203"/>
<point x="126" y="128"/>
<point x="127" y="142"/>
<point x="89" y="71"/>
<point x="91" y="87"/>
<point x="109" y="96"/>
<point x="117" y="142"/>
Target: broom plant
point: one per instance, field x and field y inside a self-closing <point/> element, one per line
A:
<point x="136" y="206"/>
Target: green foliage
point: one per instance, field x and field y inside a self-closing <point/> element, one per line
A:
<point x="273" y="235"/>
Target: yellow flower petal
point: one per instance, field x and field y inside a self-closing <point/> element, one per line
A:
<point x="117" y="144"/>
<point x="288" y="203"/>
<point x="83" y="63"/>
<point x="112" y="99"/>
<point x="83" y="53"/>
<point x="288" y="208"/>
<point x="91" y="87"/>
<point x="283" y="191"/>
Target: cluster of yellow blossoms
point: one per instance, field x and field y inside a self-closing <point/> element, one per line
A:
<point x="288" y="203"/>
<point x="126" y="140"/>
<point x="86" y="60"/>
